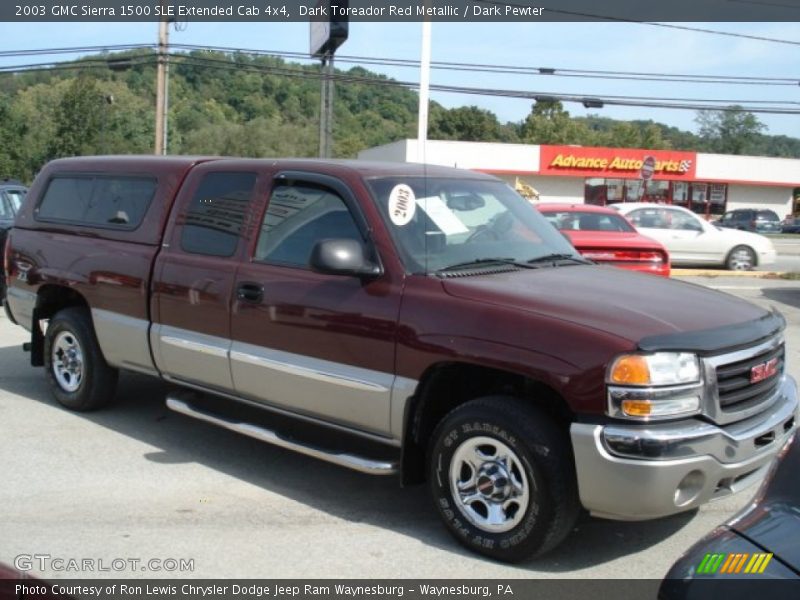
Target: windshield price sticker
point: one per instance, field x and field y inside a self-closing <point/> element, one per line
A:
<point x="402" y="205"/>
<point x="441" y="215"/>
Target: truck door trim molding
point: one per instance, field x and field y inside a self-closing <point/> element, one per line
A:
<point x="186" y="344"/>
<point x="312" y="368"/>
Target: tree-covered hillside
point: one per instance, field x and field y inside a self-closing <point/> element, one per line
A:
<point x="238" y="104"/>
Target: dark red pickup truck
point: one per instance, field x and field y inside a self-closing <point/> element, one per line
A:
<point x="398" y="318"/>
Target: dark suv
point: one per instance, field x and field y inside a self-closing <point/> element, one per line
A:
<point x="11" y="195"/>
<point x="751" y="219"/>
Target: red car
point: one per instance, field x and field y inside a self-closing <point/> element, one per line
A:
<point x="605" y="236"/>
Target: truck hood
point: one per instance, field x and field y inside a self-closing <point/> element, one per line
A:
<point x="625" y="304"/>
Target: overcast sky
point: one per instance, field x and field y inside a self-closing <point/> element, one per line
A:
<point x="602" y="46"/>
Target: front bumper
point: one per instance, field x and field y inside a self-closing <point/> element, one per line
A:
<point x="646" y="471"/>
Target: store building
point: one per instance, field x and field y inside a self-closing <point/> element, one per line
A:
<point x="708" y="184"/>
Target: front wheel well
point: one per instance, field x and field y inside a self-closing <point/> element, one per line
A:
<point x="445" y="386"/>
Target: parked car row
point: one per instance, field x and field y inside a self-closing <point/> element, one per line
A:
<point x="751" y="219"/>
<point x="691" y="240"/>
<point x="606" y="237"/>
<point x="649" y="237"/>
<point x="791" y="225"/>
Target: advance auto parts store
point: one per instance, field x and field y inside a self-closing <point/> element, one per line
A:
<point x="708" y="184"/>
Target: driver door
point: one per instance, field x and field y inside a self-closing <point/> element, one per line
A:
<point x="317" y="344"/>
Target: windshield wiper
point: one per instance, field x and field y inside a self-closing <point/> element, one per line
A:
<point x="556" y="257"/>
<point x="482" y="262"/>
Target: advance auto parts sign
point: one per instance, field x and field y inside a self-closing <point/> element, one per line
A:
<point x="615" y="162"/>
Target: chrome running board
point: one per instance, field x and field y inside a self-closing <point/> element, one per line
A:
<point x="351" y="461"/>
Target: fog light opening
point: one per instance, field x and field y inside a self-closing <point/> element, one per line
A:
<point x="689" y="488"/>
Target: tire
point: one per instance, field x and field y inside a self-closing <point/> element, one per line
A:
<point x="511" y="509"/>
<point x="741" y="258"/>
<point x="78" y="375"/>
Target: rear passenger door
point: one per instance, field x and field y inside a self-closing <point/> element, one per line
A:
<point x="193" y="282"/>
<point x="316" y="344"/>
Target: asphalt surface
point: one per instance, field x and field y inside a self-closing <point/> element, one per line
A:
<point x="137" y="481"/>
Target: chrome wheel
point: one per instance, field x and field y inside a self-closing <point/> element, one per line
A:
<point x="67" y="361"/>
<point x="488" y="484"/>
<point x="741" y="259"/>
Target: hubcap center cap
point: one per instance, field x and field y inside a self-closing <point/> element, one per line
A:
<point x="493" y="482"/>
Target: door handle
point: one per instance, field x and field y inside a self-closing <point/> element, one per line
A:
<point x="250" y="292"/>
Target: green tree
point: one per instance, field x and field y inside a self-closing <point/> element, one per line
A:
<point x="79" y="119"/>
<point x="734" y="131"/>
<point x="466" y="123"/>
<point x="550" y="123"/>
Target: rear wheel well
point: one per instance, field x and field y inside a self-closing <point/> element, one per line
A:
<point x="53" y="298"/>
<point x="443" y="387"/>
<point x="50" y="299"/>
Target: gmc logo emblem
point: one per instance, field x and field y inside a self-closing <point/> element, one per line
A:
<point x="764" y="370"/>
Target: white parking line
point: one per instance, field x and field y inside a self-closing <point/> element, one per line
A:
<point x="736" y="287"/>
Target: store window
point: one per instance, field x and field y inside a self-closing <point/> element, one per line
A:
<point x="717" y="198"/>
<point x="680" y="193"/>
<point x="595" y="192"/>
<point x="705" y="199"/>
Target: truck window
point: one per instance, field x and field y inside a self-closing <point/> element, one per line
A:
<point x="97" y="201"/>
<point x="298" y="216"/>
<point x="216" y="213"/>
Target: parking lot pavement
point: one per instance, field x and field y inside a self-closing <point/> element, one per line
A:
<point x="137" y="481"/>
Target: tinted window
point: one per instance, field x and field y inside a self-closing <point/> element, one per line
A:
<point x="586" y="221"/>
<point x="649" y="217"/>
<point x="298" y="216"/>
<point x="5" y="209"/>
<point x="15" y="198"/>
<point x="217" y="212"/>
<point x="767" y="215"/>
<point x="679" y="220"/>
<point x="107" y="201"/>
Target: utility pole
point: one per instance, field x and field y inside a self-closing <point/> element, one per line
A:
<point x="424" y="89"/>
<point x="162" y="84"/>
<point x="326" y="107"/>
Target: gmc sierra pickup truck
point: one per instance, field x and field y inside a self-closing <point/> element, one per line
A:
<point x="400" y="318"/>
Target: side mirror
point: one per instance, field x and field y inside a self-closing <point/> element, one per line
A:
<point x="342" y="257"/>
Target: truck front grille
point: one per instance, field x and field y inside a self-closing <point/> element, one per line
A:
<point x="736" y="389"/>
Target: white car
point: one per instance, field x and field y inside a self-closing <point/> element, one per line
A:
<point x="692" y="241"/>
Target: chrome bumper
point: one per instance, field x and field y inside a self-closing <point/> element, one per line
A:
<point x="637" y="472"/>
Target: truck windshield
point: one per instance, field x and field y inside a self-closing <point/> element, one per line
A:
<point x="440" y="223"/>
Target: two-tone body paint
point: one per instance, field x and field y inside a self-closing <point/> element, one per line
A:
<point x="341" y="349"/>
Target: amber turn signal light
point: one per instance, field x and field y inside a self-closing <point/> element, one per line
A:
<point x="631" y="369"/>
<point x="637" y="408"/>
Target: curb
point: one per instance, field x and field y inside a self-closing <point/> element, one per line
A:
<point x="724" y="273"/>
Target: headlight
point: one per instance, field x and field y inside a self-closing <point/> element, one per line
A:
<point x="654" y="386"/>
<point x="662" y="368"/>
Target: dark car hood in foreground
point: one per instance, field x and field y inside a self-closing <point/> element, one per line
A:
<point x="774" y="521"/>
<point x="633" y="306"/>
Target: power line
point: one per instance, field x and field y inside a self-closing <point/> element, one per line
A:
<point x="451" y="66"/>
<point x="521" y="94"/>
<point x="597" y="17"/>
<point x="520" y="70"/>
<point x="755" y="106"/>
